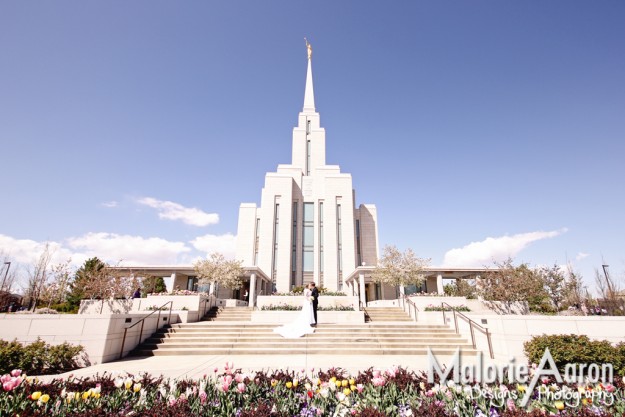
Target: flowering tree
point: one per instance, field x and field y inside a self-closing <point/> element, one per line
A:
<point x="399" y="269"/>
<point x="217" y="268"/>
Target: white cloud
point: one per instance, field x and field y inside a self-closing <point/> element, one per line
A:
<point x="224" y="244"/>
<point x="478" y="254"/>
<point x="581" y="256"/>
<point x="27" y="251"/>
<point x="110" y="204"/>
<point x="113" y="248"/>
<point x="174" y="211"/>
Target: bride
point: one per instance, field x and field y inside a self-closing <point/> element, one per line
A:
<point x="301" y="325"/>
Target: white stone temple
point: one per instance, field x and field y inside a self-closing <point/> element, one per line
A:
<point x="307" y="226"/>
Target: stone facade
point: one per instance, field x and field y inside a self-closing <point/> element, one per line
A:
<point x="307" y="227"/>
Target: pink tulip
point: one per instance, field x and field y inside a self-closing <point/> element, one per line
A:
<point x="359" y="387"/>
<point x="239" y="377"/>
<point x="378" y="381"/>
<point x="376" y="373"/>
<point x="241" y="387"/>
<point x="510" y="405"/>
<point x="16" y="372"/>
<point x="203" y="397"/>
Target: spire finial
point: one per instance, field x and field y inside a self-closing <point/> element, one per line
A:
<point x="309" y="48"/>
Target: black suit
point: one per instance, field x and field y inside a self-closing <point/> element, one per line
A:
<point x="315" y="303"/>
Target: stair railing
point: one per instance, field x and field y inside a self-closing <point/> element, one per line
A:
<point x="142" y="321"/>
<point x="405" y="301"/>
<point x="472" y="326"/>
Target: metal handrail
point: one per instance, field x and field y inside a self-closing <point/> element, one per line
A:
<point x="142" y="321"/>
<point x="472" y="324"/>
<point x="411" y="305"/>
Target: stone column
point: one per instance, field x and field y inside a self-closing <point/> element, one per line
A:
<point x="252" y="291"/>
<point x="211" y="289"/>
<point x="361" y="282"/>
<point x="439" y="284"/>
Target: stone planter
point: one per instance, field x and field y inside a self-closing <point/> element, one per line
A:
<point x="298" y="300"/>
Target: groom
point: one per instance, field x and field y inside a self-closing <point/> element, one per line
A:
<point x="315" y="301"/>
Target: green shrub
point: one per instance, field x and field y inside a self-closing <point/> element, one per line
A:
<point x="38" y="357"/>
<point x="576" y="349"/>
<point x="65" y="308"/>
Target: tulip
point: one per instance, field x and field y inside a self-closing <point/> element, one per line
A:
<point x="510" y="405"/>
<point x="136" y="387"/>
<point x="85" y="395"/>
<point x="559" y="405"/>
<point x="344" y="383"/>
<point x="347" y="391"/>
<point x="289" y="385"/>
<point x="360" y="387"/>
<point x="44" y="398"/>
<point x="352" y="381"/>
<point x="295" y="383"/>
<point x="118" y="382"/>
<point x="241" y="387"/>
<point x="309" y="393"/>
<point x="128" y="383"/>
<point x="16" y="372"/>
<point x="35" y="395"/>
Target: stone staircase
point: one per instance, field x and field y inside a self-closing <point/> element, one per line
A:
<point x="225" y="314"/>
<point x="375" y="338"/>
<point x="386" y="314"/>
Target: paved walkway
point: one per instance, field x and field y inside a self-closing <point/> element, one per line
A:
<point x="197" y="366"/>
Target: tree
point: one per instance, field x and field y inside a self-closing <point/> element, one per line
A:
<point x="554" y="283"/>
<point x="510" y="283"/>
<point x="573" y="288"/>
<point x="56" y="288"/>
<point x="152" y="284"/>
<point x="399" y="269"/>
<point x="38" y="276"/>
<point x="217" y="268"/>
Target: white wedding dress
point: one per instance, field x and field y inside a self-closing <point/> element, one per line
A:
<point x="301" y="325"/>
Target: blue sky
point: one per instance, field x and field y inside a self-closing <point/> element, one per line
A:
<point x="480" y="129"/>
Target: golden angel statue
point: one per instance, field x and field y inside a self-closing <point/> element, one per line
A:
<point x="309" y="48"/>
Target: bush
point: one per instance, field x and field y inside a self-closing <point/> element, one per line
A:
<point x="65" y="308"/>
<point x="576" y="349"/>
<point x="39" y="357"/>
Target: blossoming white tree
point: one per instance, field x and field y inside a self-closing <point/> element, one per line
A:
<point x="399" y="269"/>
<point x="218" y="269"/>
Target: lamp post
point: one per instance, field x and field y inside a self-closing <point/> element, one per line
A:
<point x="8" y="264"/>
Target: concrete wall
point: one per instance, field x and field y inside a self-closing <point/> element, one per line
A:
<point x="100" y="334"/>
<point x="509" y="332"/>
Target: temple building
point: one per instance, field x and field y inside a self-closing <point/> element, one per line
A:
<point x="307" y="226"/>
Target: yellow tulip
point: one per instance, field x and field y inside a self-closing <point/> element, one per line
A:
<point x="347" y="391"/>
<point x="352" y="381"/>
<point x="559" y="405"/>
<point x="274" y="382"/>
<point x="344" y="383"/>
<point x="333" y="379"/>
<point x="136" y="387"/>
<point x="337" y="383"/>
<point x="128" y="383"/>
<point x="44" y="398"/>
<point x="35" y="395"/>
<point x="289" y="384"/>
<point x="96" y="395"/>
<point x="77" y="396"/>
<point x="353" y="387"/>
<point x="295" y="383"/>
<point x="85" y="395"/>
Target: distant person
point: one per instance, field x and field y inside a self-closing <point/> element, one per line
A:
<point x="137" y="293"/>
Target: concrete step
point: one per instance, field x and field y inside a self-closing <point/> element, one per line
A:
<point x="469" y="352"/>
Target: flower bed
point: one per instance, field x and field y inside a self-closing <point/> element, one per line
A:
<point x="297" y="301"/>
<point x="373" y="393"/>
<point x="288" y="307"/>
<point x="432" y="307"/>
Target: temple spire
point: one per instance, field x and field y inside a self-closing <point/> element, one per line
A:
<point x="309" y="94"/>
